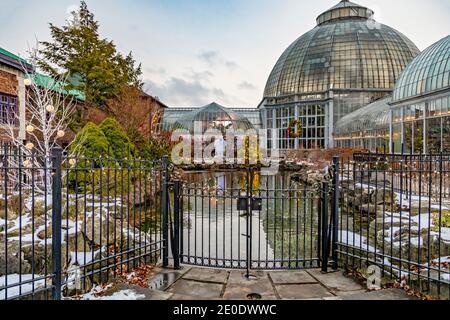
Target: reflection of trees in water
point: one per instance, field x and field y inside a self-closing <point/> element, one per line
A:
<point x="291" y="224"/>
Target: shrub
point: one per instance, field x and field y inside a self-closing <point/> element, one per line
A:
<point x="90" y="150"/>
<point x="119" y="143"/>
<point x="155" y="149"/>
<point x="90" y="142"/>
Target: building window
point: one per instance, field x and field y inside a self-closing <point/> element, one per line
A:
<point x="312" y="118"/>
<point x="8" y="110"/>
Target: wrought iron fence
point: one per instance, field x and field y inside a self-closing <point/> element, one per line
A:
<point x="394" y="213"/>
<point x="68" y="223"/>
<point x="241" y="219"/>
<point x="410" y="169"/>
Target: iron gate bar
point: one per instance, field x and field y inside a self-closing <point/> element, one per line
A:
<point x="56" y="222"/>
<point x="325" y="252"/>
<point x="165" y="205"/>
<point x="336" y="192"/>
<point x="176" y="218"/>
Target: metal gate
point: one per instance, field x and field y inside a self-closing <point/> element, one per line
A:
<point x="243" y="220"/>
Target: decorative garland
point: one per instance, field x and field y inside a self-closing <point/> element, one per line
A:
<point x="291" y="130"/>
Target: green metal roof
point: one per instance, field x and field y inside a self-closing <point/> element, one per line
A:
<point x="44" y="80"/>
<point x="48" y="82"/>
<point x="12" y="55"/>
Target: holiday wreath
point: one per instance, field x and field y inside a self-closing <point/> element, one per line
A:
<point x="291" y="130"/>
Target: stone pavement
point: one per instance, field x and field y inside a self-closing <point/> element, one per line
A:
<point x="212" y="284"/>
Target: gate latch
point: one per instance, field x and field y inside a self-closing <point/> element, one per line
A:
<point x="256" y="204"/>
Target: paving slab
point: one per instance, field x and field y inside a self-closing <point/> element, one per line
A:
<point x="240" y="292"/>
<point x="185" y="297"/>
<point x="239" y="287"/>
<point x="238" y="277"/>
<point x="164" y="278"/>
<point x="292" y="277"/>
<point x="388" y="294"/>
<point x="302" y="291"/>
<point x="200" y="289"/>
<point x="337" y="281"/>
<point x="142" y="293"/>
<point x="207" y="275"/>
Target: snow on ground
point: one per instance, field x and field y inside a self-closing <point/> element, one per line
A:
<point x="19" y="223"/>
<point x="120" y="295"/>
<point x="13" y="279"/>
<point x="84" y="258"/>
<point x="419" y="201"/>
<point x="355" y="240"/>
<point x="445" y="234"/>
<point x="68" y="228"/>
<point x="445" y="277"/>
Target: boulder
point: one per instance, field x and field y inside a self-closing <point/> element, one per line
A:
<point x="77" y="242"/>
<point x="142" y="193"/>
<point x="369" y="208"/>
<point x="100" y="234"/>
<point x="40" y="257"/>
<point x="15" y="204"/>
<point x="12" y="259"/>
<point x="76" y="283"/>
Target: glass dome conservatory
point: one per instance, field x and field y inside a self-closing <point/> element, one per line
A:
<point x="347" y="61"/>
<point x="421" y="103"/>
<point x="212" y="116"/>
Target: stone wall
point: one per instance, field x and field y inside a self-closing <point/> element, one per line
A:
<point x="8" y="83"/>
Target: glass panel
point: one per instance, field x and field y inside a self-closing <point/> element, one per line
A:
<point x="434" y="135"/>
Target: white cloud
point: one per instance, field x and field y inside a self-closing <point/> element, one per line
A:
<point x="210" y="47"/>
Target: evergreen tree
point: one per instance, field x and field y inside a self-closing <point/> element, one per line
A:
<point x="91" y="63"/>
<point x="120" y="144"/>
<point x="90" y="142"/>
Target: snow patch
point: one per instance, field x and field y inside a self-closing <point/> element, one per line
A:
<point x="120" y="295"/>
<point x="15" y="279"/>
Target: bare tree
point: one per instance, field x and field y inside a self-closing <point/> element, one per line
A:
<point x="136" y="112"/>
<point x="49" y="109"/>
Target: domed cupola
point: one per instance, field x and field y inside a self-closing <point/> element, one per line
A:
<point x="346" y="50"/>
<point x="343" y="11"/>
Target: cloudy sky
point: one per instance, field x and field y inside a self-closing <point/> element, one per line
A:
<point x="197" y="51"/>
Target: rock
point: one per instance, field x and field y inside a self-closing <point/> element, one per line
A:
<point x="99" y="234"/>
<point x="49" y="232"/>
<point x="74" y="210"/>
<point x="15" y="205"/>
<point x="26" y="229"/>
<point x="38" y="222"/>
<point x="40" y="257"/>
<point x="78" y="243"/>
<point x="15" y="261"/>
<point x="75" y="283"/>
<point x="368" y="208"/>
<point x="143" y="193"/>
<point x="39" y="208"/>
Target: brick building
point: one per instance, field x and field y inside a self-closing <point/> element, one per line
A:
<point x="12" y="92"/>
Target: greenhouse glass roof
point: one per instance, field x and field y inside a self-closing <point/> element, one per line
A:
<point x="211" y="116"/>
<point x="375" y="116"/>
<point x="427" y="73"/>
<point x="175" y="117"/>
